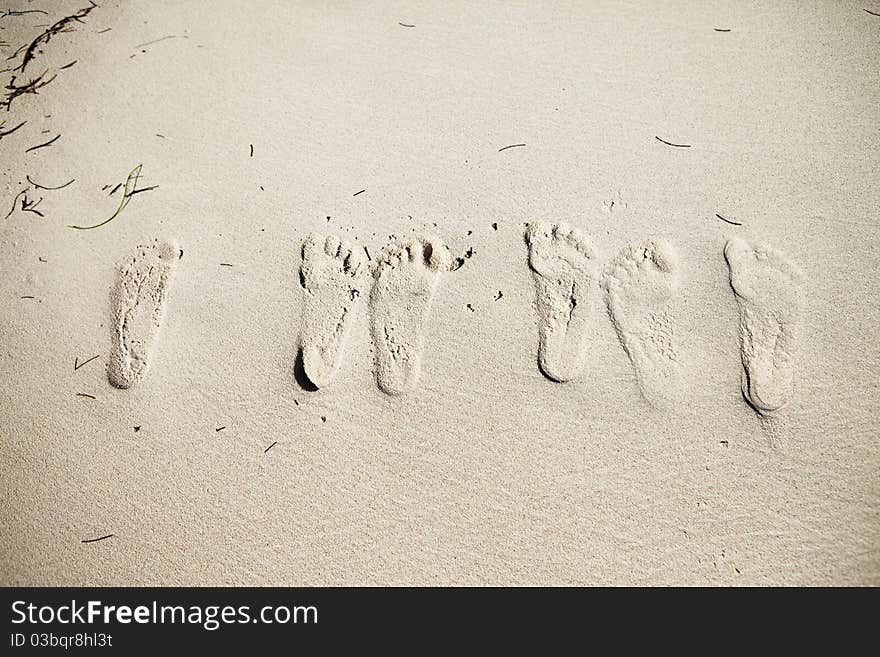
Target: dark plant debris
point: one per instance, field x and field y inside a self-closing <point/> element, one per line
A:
<point x="63" y="25"/>
<point x="669" y="143"/>
<point x="100" y="538"/>
<point x="77" y="364"/>
<point x="141" y="190"/>
<point x="4" y="133"/>
<point x="30" y="206"/>
<point x="22" y="12"/>
<point x="43" y="145"/>
<point x="732" y="223"/>
<point x="15" y="203"/>
<point x="50" y="189"/>
<point x="31" y="87"/>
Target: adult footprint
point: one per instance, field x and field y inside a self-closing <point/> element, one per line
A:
<point x="137" y="300"/>
<point x="562" y="261"/>
<point x="406" y="276"/>
<point x="768" y="290"/>
<point x="331" y="276"/>
<point x="637" y="286"/>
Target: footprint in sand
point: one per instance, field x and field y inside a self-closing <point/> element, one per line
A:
<point x="136" y="305"/>
<point x="562" y="261"/>
<point x="768" y="290"/>
<point x="332" y="279"/>
<point x="406" y="276"/>
<point x="637" y="286"/>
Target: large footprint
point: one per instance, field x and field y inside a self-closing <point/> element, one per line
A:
<point x="768" y="290"/>
<point x="563" y="264"/>
<point x="638" y="285"/>
<point x="137" y="300"/>
<point x="332" y="279"/>
<point x="406" y="277"/>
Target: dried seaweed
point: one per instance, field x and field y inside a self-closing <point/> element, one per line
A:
<point x="63" y="25"/>
<point x="31" y="87"/>
<point x="129" y="191"/>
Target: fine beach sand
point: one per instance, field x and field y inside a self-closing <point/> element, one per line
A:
<point x="638" y="346"/>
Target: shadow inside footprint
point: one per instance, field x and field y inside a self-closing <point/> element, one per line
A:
<point x="299" y="373"/>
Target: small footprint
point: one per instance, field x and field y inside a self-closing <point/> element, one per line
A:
<point x="331" y="276"/>
<point x="137" y="301"/>
<point x="638" y="285"/>
<point x="562" y="262"/>
<point x="406" y="277"/>
<point x="767" y="286"/>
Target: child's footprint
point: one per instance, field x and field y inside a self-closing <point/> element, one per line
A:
<point x="562" y="261"/>
<point x="768" y="289"/>
<point x="137" y="300"/>
<point x="638" y="285"/>
<point x="331" y="276"/>
<point x="406" y="277"/>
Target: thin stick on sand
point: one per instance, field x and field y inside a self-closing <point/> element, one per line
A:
<point x="95" y="540"/>
<point x="51" y="189"/>
<point x="4" y="133"/>
<point x="43" y="145"/>
<point x="669" y="143"/>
